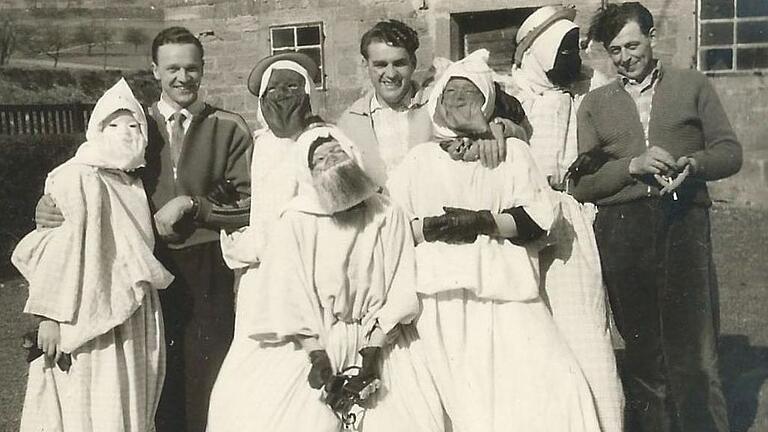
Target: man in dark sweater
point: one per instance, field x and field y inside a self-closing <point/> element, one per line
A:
<point x="664" y="134"/>
<point x="197" y="179"/>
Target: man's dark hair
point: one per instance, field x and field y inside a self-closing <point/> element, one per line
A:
<point x="174" y="35"/>
<point x="608" y="22"/>
<point x="392" y="32"/>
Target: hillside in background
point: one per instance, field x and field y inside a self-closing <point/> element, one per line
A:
<point x="112" y="37"/>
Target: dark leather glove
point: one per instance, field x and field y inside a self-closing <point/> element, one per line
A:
<point x="366" y="382"/>
<point x="458" y="225"/>
<point x="321" y="371"/>
<point x="223" y="193"/>
<point x="587" y="163"/>
<point x="371" y="360"/>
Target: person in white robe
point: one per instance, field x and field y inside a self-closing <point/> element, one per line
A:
<point x="550" y="83"/>
<point x="93" y="283"/>
<point x="498" y="360"/>
<point x="335" y="289"/>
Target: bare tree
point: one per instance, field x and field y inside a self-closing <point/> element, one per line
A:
<point x="86" y="36"/>
<point x="135" y="37"/>
<point x="7" y="39"/>
<point x="54" y="38"/>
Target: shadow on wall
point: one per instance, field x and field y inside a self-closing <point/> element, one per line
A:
<point x="743" y="370"/>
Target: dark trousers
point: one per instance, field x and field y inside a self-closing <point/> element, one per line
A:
<point x="198" y="312"/>
<point x="657" y="265"/>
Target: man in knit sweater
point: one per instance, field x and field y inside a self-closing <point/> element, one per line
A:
<point x="664" y="134"/>
<point x="197" y="180"/>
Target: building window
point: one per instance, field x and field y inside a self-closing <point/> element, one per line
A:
<point x="733" y="35"/>
<point x="303" y="38"/>
<point x="493" y="30"/>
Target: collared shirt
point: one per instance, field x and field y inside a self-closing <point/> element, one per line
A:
<point x="393" y="128"/>
<point x="166" y="110"/>
<point x="642" y="94"/>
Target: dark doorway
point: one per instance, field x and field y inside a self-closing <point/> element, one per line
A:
<point x="493" y="30"/>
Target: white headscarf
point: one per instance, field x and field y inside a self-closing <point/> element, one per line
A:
<point x="540" y="57"/>
<point x="473" y="67"/>
<point x="281" y="65"/>
<point x="101" y="152"/>
<point x="307" y="200"/>
<point x="550" y="109"/>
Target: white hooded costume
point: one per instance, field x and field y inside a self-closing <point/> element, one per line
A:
<point x="571" y="272"/>
<point x="498" y="360"/>
<point x="97" y="276"/>
<point x="330" y="277"/>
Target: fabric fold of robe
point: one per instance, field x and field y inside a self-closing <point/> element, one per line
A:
<point x="91" y="273"/>
<point x="492" y="268"/>
<point x="325" y="289"/>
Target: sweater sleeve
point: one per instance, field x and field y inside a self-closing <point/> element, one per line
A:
<point x="722" y="153"/>
<point x="612" y="176"/>
<point x="238" y="174"/>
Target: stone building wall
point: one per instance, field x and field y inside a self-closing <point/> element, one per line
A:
<point x="236" y="33"/>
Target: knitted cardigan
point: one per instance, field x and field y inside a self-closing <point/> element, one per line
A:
<point x="687" y="119"/>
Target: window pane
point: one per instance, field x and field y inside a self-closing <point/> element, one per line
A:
<point x="717" y="9"/>
<point x="751" y="32"/>
<point x="716" y="33"/>
<point x="282" y="38"/>
<point x="314" y="54"/>
<point x="752" y="8"/>
<point x="717" y="59"/>
<point x="308" y="35"/>
<point x="752" y="58"/>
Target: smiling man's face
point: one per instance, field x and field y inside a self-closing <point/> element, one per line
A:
<point x="390" y="69"/>
<point x="631" y="51"/>
<point x="179" y="68"/>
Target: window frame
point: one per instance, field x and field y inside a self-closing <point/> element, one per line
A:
<point x="735" y="20"/>
<point x="296" y="26"/>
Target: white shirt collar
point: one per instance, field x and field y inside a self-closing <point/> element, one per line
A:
<point x="166" y="110"/>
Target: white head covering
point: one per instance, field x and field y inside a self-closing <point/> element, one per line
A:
<point x="473" y="67"/>
<point x="100" y="152"/>
<point x="543" y="32"/>
<point x="307" y="200"/>
<point x="278" y="65"/>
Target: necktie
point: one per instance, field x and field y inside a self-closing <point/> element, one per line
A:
<point x="177" y="137"/>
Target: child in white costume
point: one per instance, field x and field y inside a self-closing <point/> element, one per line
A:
<point x="497" y="358"/>
<point x="93" y="281"/>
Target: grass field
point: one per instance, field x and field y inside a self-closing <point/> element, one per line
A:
<point x="119" y="55"/>
<point x="740" y="239"/>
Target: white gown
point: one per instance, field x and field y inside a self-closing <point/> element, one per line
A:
<point x="499" y="362"/>
<point x="336" y="282"/>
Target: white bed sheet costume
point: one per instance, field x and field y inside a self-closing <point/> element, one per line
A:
<point x="97" y="276"/>
<point x="331" y="277"/>
<point x="499" y="362"/>
<point x="571" y="273"/>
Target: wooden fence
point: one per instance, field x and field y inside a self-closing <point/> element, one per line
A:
<point x="44" y="119"/>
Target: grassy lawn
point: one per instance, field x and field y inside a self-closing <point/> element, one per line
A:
<point x="741" y="244"/>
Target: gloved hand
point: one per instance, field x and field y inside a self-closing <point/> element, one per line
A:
<point x="223" y="193"/>
<point x="321" y="371"/>
<point x="587" y="163"/>
<point x="365" y="383"/>
<point x="371" y="358"/>
<point x="458" y="225"/>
